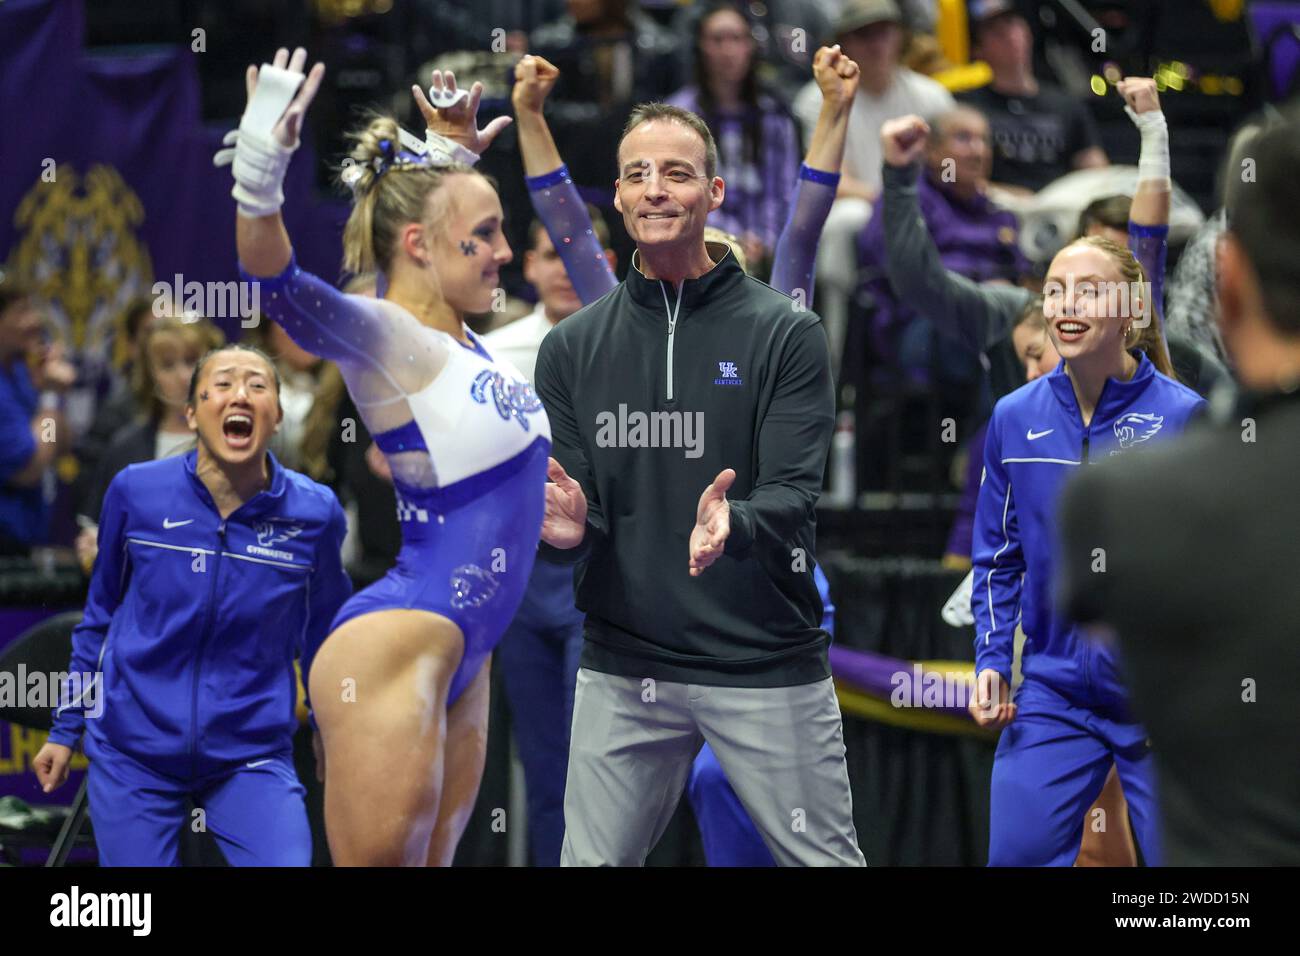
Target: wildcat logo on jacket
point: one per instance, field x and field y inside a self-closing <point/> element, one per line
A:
<point x="270" y="534"/>
<point x="515" y="400"/>
<point x="1136" y="427"/>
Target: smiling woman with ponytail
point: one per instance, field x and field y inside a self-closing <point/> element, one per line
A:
<point x="1070" y="721"/>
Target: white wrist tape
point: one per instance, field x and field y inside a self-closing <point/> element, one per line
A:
<point x="443" y="151"/>
<point x="1153" y="161"/>
<point x="259" y="168"/>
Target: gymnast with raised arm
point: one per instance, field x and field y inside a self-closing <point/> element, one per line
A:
<point x="399" y="688"/>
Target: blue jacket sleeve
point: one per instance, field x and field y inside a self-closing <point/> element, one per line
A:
<point x="561" y="210"/>
<point x="108" y="583"/>
<point x="330" y="587"/>
<point x="781" y="166"/>
<point x="998" y="562"/>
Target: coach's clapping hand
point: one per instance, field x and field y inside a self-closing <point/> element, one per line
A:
<point x="991" y="706"/>
<point x="565" y="521"/>
<point x="712" y="523"/>
<point x="902" y="140"/>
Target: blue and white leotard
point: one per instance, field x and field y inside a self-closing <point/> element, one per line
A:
<point x="467" y="441"/>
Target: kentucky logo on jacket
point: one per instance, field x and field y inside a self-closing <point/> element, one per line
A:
<point x="730" y="374"/>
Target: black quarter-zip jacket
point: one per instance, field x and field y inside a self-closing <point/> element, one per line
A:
<point x="651" y="392"/>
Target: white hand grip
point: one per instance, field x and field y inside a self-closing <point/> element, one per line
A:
<point x="275" y="91"/>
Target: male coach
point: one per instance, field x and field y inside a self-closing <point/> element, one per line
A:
<point x="702" y="614"/>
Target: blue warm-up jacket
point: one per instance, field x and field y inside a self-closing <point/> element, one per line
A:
<point x="195" y="621"/>
<point x="1036" y="442"/>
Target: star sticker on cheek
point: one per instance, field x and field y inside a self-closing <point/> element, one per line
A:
<point x="203" y="395"/>
<point x="468" y="247"/>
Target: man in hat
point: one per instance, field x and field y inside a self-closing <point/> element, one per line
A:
<point x="872" y="34"/>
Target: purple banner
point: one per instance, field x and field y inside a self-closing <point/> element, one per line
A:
<point x="19" y="745"/>
<point x="107" y="183"/>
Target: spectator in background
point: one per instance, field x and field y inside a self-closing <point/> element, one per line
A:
<point x="975" y="239"/>
<point x="299" y="373"/>
<point x="787" y="55"/>
<point x="444" y="26"/>
<point x="758" y="144"/>
<point x="544" y="270"/>
<point x="34" y="377"/>
<point x="170" y="350"/>
<point x="785" y="33"/>
<point x="871" y="33"/>
<point x="1193" y="309"/>
<point x="1040" y="132"/>
<point x="119" y="406"/>
<point x="610" y="55"/>
<point x="1106" y="216"/>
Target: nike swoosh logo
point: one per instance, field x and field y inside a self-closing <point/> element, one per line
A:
<point x="169" y="524"/>
<point x="258" y="763"/>
<point x="1031" y="434"/>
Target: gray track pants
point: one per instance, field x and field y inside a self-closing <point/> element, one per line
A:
<point x="633" y="743"/>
